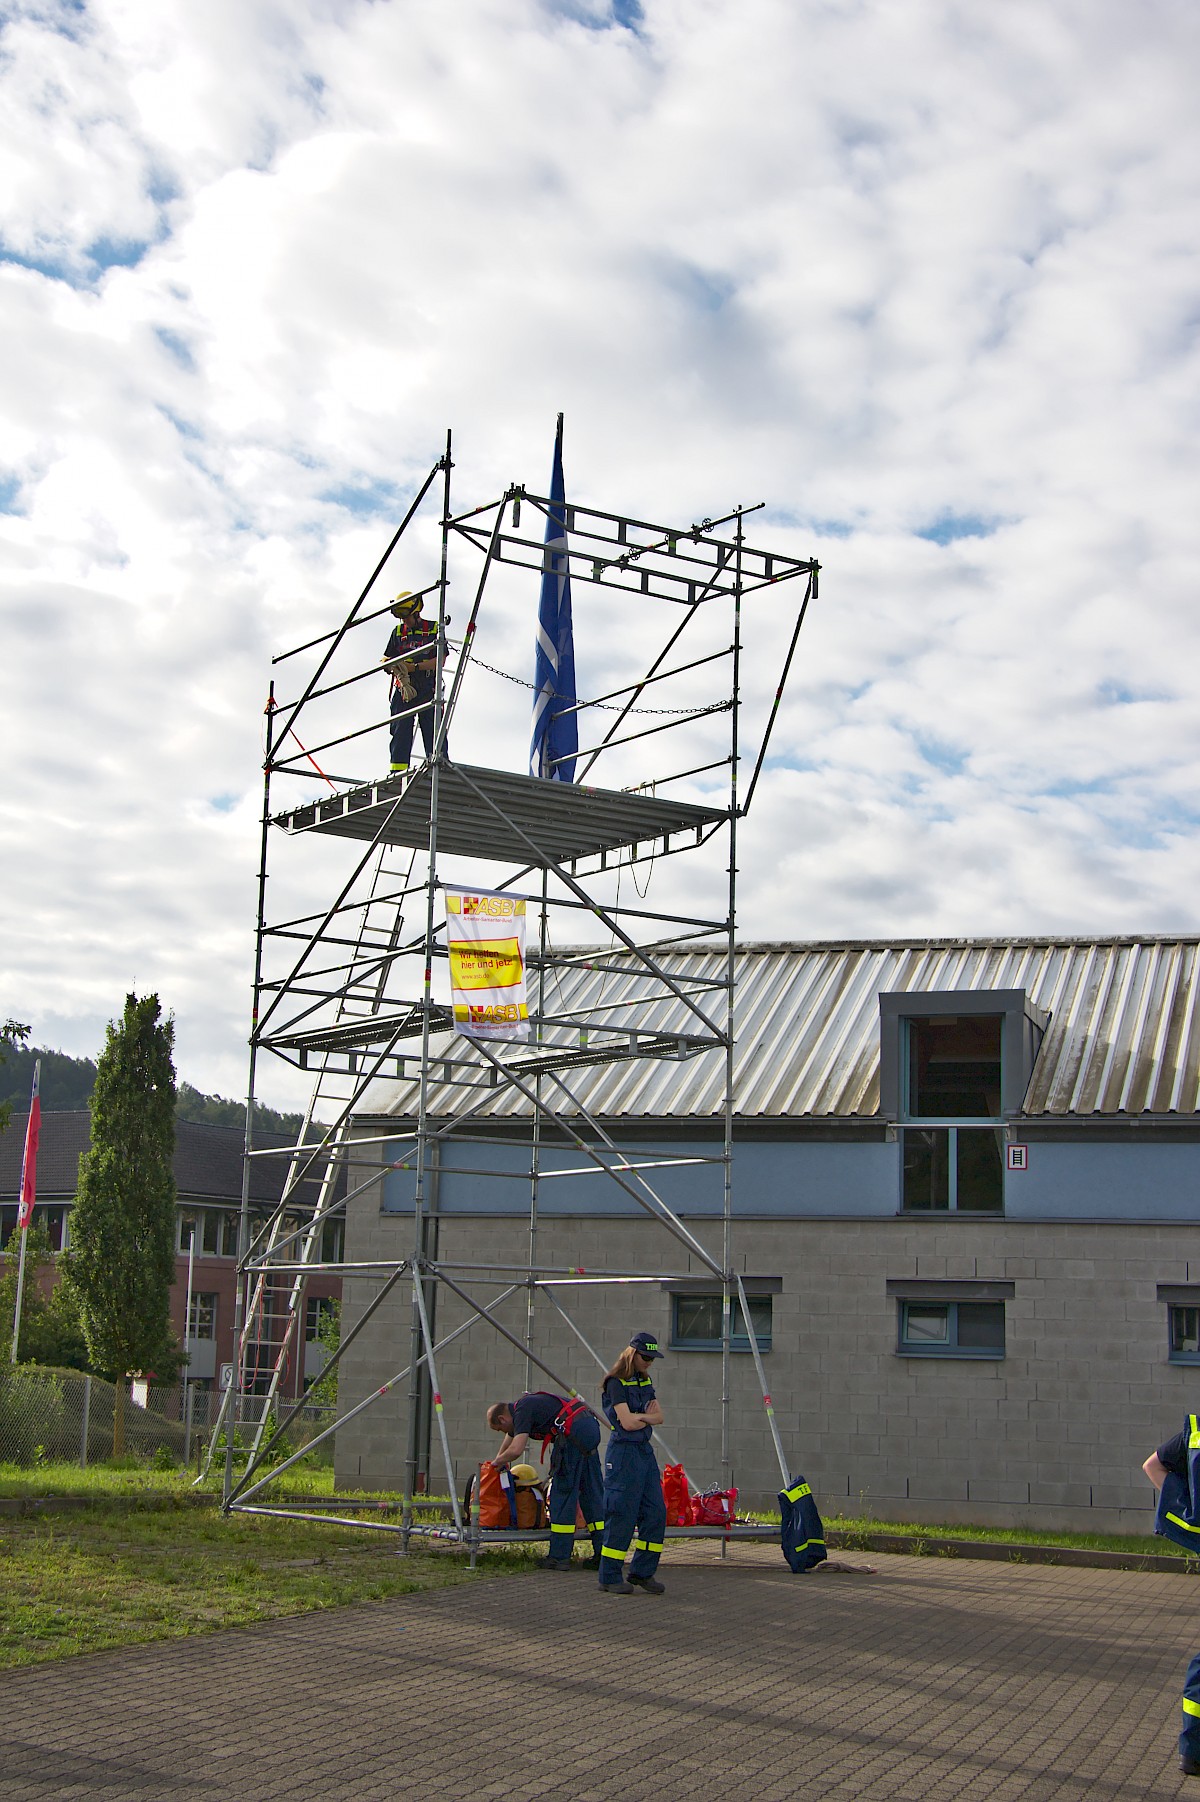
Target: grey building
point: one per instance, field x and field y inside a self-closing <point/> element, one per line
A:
<point x="966" y="1187"/>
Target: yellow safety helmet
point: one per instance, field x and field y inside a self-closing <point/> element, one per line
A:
<point x="406" y="602"/>
<point x="524" y="1474"/>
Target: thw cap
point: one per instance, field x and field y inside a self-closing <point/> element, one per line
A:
<point x="647" y="1344"/>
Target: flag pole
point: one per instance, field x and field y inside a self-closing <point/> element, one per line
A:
<point x="187" y="1335"/>
<point x="33" y="1128"/>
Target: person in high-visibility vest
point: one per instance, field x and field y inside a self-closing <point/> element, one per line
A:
<point x="633" y="1494"/>
<point x="411" y="661"/>
<point x="1174" y="1470"/>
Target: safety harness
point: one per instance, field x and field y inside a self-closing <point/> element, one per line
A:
<point x="568" y="1422"/>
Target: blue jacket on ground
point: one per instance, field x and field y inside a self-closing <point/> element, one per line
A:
<point x="801" y="1532"/>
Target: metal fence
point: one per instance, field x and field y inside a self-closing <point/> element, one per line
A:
<point x="52" y="1416"/>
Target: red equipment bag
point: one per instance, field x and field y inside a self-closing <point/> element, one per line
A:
<point x="715" y="1508"/>
<point x="677" y="1496"/>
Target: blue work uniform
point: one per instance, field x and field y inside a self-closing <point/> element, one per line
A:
<point x="1178" y="1518"/>
<point x="575" y="1481"/>
<point x="633" y="1495"/>
<point x="411" y="635"/>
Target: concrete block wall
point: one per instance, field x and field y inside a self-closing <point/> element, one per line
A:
<point x="1050" y="1436"/>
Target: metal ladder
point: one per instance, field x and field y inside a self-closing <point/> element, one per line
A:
<point x="278" y="1326"/>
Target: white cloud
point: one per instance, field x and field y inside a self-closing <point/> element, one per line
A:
<point x="924" y="279"/>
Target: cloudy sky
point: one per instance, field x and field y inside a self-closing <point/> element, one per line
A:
<point x="922" y="277"/>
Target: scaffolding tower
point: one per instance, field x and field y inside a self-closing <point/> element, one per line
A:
<point x="352" y="989"/>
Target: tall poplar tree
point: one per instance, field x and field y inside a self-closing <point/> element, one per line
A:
<point x="121" y="1262"/>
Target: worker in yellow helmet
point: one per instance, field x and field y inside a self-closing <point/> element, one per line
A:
<point x="411" y="662"/>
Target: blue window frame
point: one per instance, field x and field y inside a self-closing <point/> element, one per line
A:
<point x="951" y="1329"/>
<point x="696" y="1323"/>
<point x="952" y="1169"/>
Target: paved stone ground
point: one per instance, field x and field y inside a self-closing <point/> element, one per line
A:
<point x="934" y="1679"/>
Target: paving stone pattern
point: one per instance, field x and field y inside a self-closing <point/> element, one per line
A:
<point x="934" y="1679"/>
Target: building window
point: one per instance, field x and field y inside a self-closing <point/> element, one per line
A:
<point x="209" y="1237"/>
<point x="1184" y="1329"/>
<point x="216" y="1231"/>
<point x="954" y="1066"/>
<point x="952" y="1072"/>
<point x="951" y="1329"/>
<point x="202" y="1321"/>
<point x="333" y="1238"/>
<point x="696" y="1323"/>
<point x="51" y="1216"/>
<point x="958" y="1169"/>
<point x="317" y="1308"/>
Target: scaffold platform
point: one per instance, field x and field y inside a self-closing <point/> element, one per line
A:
<point x="503" y="817"/>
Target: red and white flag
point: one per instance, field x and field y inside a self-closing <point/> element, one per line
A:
<point x="29" y="1161"/>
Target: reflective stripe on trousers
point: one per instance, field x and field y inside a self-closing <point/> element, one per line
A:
<point x="1189" y="1739"/>
<point x="575" y="1484"/>
<point x="633" y="1503"/>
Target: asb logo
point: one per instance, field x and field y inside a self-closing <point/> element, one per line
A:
<point x="495" y="907"/>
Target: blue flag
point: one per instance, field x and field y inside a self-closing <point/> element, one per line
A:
<point x="555" y="738"/>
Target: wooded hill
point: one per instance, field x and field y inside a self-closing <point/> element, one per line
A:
<point x="67" y="1083"/>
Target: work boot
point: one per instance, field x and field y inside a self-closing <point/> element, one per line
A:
<point x="615" y="1589"/>
<point x="1189" y="1766"/>
<point x="651" y="1585"/>
<point x="592" y="1563"/>
<point x="554" y="1564"/>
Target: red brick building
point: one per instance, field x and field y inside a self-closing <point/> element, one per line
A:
<point x="208" y="1177"/>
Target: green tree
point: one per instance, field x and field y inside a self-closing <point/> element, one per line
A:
<point x="51" y="1330"/>
<point x="324" y="1392"/>
<point x="11" y="1035"/>
<point x="122" y="1258"/>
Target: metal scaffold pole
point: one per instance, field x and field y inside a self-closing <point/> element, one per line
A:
<point x="730" y="1102"/>
<point x="420" y="1209"/>
<point x="535" y="1131"/>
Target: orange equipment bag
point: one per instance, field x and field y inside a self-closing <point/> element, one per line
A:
<point x="676" y="1495"/>
<point x="715" y="1508"/>
<point x="497" y="1498"/>
<point x="532" y="1510"/>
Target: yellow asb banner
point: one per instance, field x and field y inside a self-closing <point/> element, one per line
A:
<point x="485" y="936"/>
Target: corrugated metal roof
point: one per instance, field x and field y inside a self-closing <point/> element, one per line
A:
<point x="1123" y="1036"/>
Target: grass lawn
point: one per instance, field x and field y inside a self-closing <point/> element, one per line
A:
<point x="147" y="1557"/>
<point x="134" y="1477"/>
<point x="113" y="1575"/>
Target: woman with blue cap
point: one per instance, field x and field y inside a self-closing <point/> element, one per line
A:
<point x="633" y="1496"/>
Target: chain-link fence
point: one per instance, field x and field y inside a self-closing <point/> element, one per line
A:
<point x="66" y="1416"/>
